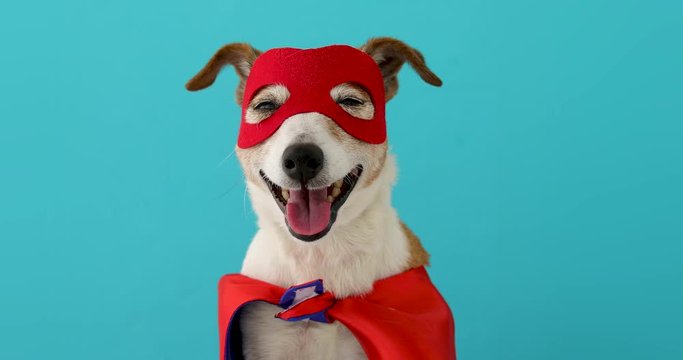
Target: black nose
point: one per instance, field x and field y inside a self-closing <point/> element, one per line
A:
<point x="302" y="162"/>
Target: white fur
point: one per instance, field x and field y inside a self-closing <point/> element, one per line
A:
<point x="365" y="111"/>
<point x="276" y="93"/>
<point x="365" y="244"/>
<point x="340" y="157"/>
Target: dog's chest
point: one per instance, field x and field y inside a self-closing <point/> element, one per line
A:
<point x="266" y="337"/>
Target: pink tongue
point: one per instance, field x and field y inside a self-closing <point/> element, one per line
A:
<point x="308" y="211"/>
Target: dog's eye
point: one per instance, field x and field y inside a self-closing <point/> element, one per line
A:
<point x="266" y="105"/>
<point x="350" y="101"/>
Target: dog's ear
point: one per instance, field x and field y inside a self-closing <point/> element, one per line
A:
<point x="390" y="54"/>
<point x="239" y="55"/>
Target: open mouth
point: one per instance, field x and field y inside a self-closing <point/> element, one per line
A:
<point x="310" y="213"/>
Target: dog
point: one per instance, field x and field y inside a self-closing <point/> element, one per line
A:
<point x="348" y="233"/>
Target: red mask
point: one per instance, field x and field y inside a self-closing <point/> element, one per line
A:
<point x="309" y="75"/>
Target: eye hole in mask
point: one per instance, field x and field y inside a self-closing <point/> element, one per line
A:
<point x="354" y="100"/>
<point x="266" y="101"/>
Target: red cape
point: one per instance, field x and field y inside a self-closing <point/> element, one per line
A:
<point x="404" y="317"/>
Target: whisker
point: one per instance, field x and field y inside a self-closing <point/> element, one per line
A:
<point x="225" y="159"/>
<point x="244" y="202"/>
<point x="226" y="192"/>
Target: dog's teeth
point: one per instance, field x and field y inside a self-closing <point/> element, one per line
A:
<point x="336" y="191"/>
<point x="285" y="194"/>
<point x="354" y="171"/>
<point x="330" y="198"/>
<point x="338" y="183"/>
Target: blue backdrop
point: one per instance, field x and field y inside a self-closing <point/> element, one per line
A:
<point x="544" y="176"/>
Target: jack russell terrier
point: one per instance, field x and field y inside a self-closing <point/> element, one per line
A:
<point x="332" y="273"/>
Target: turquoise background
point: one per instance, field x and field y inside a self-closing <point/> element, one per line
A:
<point x="544" y="176"/>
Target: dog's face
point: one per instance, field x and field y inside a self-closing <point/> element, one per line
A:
<point x="311" y="174"/>
<point x="338" y="170"/>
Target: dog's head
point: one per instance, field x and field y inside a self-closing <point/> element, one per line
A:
<point x="304" y="168"/>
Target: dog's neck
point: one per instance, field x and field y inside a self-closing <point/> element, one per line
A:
<point x="353" y="255"/>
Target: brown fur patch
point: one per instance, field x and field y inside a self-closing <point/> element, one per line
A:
<point x="390" y="54"/>
<point x="377" y="152"/>
<point x="418" y="255"/>
<point x="248" y="157"/>
<point x="337" y="133"/>
<point x="239" y="55"/>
